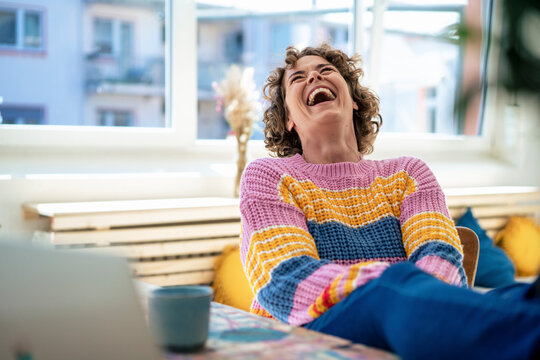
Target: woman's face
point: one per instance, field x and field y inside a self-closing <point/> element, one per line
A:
<point x="316" y="97"/>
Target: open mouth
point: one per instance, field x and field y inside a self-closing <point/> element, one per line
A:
<point x="320" y="95"/>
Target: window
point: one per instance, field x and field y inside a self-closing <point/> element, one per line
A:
<point x="115" y="118"/>
<point x="412" y="56"/>
<point x="421" y="67"/>
<point x="103" y="37"/>
<point x="21" y="115"/>
<point x="8" y="27"/>
<point x="126" y="40"/>
<point x="118" y="55"/>
<point x="21" y="29"/>
<point x="32" y="30"/>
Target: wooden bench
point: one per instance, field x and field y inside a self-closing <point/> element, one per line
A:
<point x="493" y="206"/>
<point x="168" y="241"/>
<point x="175" y="241"/>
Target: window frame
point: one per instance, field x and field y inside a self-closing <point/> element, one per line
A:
<point x="181" y="112"/>
<point x="23" y="107"/>
<point x="180" y="104"/>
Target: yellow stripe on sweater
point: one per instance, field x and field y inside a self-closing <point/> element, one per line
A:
<point x="322" y="216"/>
<point x="429" y="226"/>
<point x="274" y="238"/>
<point x="401" y="180"/>
<point x="348" y="286"/>
<point x="261" y="312"/>
<point x="353" y="207"/>
<point x="270" y="247"/>
<point x="261" y="276"/>
<point x="318" y="305"/>
<point x="334" y="291"/>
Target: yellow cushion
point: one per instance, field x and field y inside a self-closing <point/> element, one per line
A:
<point x="230" y="283"/>
<point x="520" y="239"/>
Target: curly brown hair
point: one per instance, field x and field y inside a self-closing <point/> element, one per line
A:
<point x="367" y="119"/>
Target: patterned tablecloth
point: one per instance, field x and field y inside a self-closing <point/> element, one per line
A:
<point x="236" y="334"/>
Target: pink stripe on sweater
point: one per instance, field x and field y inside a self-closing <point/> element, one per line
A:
<point x="325" y="275"/>
<point x="366" y="171"/>
<point x="369" y="273"/>
<point x="305" y="295"/>
<point x="440" y="267"/>
<point x="271" y="217"/>
<point x="266" y="218"/>
<point x="420" y="202"/>
<point x="255" y="305"/>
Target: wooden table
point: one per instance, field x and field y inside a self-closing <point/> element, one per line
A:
<point x="236" y="334"/>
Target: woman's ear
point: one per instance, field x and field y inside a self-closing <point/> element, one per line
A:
<point x="289" y="125"/>
<point x="354" y="105"/>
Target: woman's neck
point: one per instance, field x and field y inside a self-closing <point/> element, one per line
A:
<point x="331" y="149"/>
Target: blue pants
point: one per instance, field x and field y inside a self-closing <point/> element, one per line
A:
<point x="417" y="316"/>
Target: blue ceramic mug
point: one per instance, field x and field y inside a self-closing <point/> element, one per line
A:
<point x="179" y="316"/>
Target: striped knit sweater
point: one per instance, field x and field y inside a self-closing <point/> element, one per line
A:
<point x="312" y="233"/>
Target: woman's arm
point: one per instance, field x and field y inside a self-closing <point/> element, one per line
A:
<point x="429" y="235"/>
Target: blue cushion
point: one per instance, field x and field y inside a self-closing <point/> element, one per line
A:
<point x="494" y="267"/>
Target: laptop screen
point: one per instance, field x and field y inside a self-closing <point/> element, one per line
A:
<point x="68" y="305"/>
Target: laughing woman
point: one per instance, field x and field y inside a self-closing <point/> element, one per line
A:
<point x="357" y="248"/>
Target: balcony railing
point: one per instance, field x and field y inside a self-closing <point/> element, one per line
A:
<point x="120" y="74"/>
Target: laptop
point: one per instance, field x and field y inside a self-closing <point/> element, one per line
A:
<point x="57" y="305"/>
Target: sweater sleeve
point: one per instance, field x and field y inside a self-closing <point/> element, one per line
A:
<point x="280" y="258"/>
<point x="429" y="235"/>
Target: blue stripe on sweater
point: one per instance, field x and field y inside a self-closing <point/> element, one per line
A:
<point x="438" y="248"/>
<point x="380" y="239"/>
<point x="277" y="296"/>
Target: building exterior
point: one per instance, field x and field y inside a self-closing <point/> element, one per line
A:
<point x="94" y="63"/>
<point x="124" y="63"/>
<point x="41" y="75"/>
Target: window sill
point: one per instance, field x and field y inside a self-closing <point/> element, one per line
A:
<point x="455" y="162"/>
<point x="5" y="51"/>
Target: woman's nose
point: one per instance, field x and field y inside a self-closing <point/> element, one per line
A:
<point x="314" y="75"/>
